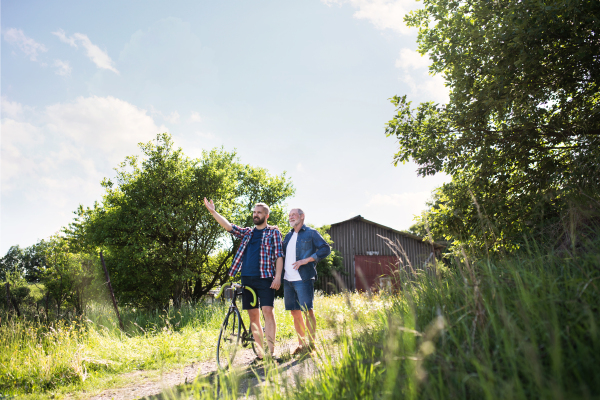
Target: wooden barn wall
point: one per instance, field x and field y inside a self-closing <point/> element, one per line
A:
<point x="358" y="237"/>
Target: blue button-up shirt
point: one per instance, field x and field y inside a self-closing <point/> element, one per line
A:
<point x="309" y="243"/>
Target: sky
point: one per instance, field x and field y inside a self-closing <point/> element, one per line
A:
<point x="301" y="87"/>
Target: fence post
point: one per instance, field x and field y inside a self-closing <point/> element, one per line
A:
<point x="110" y="289"/>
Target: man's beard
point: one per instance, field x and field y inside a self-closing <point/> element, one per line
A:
<point x="258" y="221"/>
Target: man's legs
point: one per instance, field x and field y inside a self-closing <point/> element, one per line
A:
<point x="299" y="297"/>
<point x="266" y="299"/>
<point x="300" y="324"/>
<point x="270" y="327"/>
<point x="311" y="321"/>
<point x="256" y="329"/>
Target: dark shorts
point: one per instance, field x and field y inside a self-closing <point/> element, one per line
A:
<point x="299" y="295"/>
<point x="262" y="287"/>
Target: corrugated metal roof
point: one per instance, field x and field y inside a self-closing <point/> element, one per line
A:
<point x="410" y="235"/>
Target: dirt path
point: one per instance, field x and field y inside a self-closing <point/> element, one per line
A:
<point x="148" y="384"/>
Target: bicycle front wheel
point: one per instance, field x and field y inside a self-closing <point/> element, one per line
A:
<point x="229" y="338"/>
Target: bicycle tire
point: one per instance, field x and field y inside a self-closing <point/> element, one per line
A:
<point x="229" y="338"/>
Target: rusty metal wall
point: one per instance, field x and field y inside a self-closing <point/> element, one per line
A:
<point x="357" y="237"/>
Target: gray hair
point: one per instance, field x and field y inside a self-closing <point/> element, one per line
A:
<point x="300" y="212"/>
<point x="263" y="205"/>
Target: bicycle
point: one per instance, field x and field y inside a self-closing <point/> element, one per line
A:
<point x="231" y="335"/>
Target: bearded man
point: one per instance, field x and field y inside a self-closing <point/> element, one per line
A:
<point x="260" y="260"/>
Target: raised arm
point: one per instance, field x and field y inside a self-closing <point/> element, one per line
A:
<point x="210" y="206"/>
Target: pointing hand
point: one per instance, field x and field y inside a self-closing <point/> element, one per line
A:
<point x="209" y="205"/>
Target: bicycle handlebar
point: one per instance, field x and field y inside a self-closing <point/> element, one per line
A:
<point x="253" y="303"/>
<point x="221" y="291"/>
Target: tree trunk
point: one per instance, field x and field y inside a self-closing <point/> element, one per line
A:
<point x="112" y="294"/>
<point x="7" y="297"/>
<point x="197" y="289"/>
<point x="16" y="306"/>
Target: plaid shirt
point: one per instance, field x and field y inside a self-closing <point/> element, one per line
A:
<point x="270" y="249"/>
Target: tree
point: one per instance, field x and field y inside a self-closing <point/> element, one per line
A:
<point x="34" y="261"/>
<point x="12" y="263"/>
<point x="53" y="270"/>
<point x="160" y="242"/>
<point x="67" y="275"/>
<point x="520" y="135"/>
<point x="334" y="261"/>
<point x="27" y="262"/>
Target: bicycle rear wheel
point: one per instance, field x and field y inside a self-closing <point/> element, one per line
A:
<point x="229" y="338"/>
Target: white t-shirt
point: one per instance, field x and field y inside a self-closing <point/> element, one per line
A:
<point x="291" y="274"/>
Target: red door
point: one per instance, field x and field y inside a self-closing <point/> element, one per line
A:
<point x="369" y="270"/>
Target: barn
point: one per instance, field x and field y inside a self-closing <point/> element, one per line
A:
<point x="367" y="255"/>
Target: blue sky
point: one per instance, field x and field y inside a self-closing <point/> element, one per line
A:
<point x="301" y="87"/>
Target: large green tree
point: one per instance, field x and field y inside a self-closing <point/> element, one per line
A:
<point x="520" y="135"/>
<point x="67" y="275"/>
<point x="160" y="242"/>
<point x="27" y="263"/>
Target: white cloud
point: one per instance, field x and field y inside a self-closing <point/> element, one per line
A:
<point x="94" y="53"/>
<point x="195" y="117"/>
<point x="63" y="37"/>
<point x="428" y="87"/>
<point x="384" y="14"/>
<point x="173" y="117"/>
<point x="15" y="163"/>
<point x="389" y="14"/>
<point x="410" y="59"/>
<point x="418" y="79"/>
<point x="299" y="167"/>
<point x="102" y="123"/>
<point x="81" y="137"/>
<point x="30" y="47"/>
<point x="52" y="160"/>
<point x="62" y="67"/>
<point x="10" y="109"/>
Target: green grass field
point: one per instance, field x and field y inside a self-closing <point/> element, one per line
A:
<point x="37" y="360"/>
<point x="514" y="329"/>
<point x="517" y="328"/>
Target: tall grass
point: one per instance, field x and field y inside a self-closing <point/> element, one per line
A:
<point x="49" y="358"/>
<point x="520" y="328"/>
<point x="38" y="357"/>
<point x="524" y="327"/>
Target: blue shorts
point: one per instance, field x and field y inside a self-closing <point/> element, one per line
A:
<point x="262" y="287"/>
<point x="299" y="295"/>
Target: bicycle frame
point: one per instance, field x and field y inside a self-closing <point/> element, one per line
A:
<point x="245" y="337"/>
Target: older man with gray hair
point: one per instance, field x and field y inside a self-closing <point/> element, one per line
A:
<point x="303" y="247"/>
